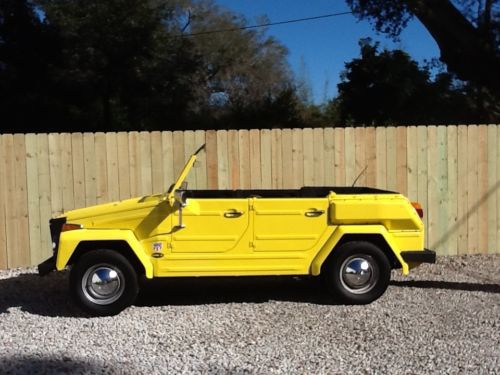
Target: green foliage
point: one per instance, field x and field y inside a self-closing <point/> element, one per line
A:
<point x="88" y="65"/>
<point x="467" y="33"/>
<point x="388" y="87"/>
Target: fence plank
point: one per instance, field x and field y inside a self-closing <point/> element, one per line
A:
<point x="492" y="188"/>
<point x="443" y="188"/>
<point x="265" y="158"/>
<point x="55" y="174"/>
<point x="10" y="203"/>
<point x="297" y="158"/>
<point x="381" y="157"/>
<point x="123" y="165"/>
<point x="33" y="199"/>
<point x="178" y="152"/>
<point x="68" y="199"/>
<point x="360" y="156"/>
<point x="371" y="156"/>
<point x="350" y="155"/>
<point x="211" y="149"/>
<point x="287" y="158"/>
<point x="201" y="167"/>
<point x="134" y="163"/>
<point x="145" y="166"/>
<point x="451" y="232"/>
<point x="189" y="149"/>
<point x="472" y="189"/>
<point x="433" y="206"/>
<point x="401" y="162"/>
<point x="244" y="154"/>
<point x="462" y="190"/>
<point x="101" y="168"/>
<point x="328" y="156"/>
<point x="308" y="156"/>
<point x="318" y="157"/>
<point x="78" y="169"/>
<point x="21" y="257"/>
<point x="3" y="203"/>
<point x="233" y="159"/>
<point x="412" y="163"/>
<point x="482" y="189"/>
<point x="44" y="194"/>
<point x="167" y="154"/>
<point x="89" y="169"/>
<point x="339" y="154"/>
<point x="497" y="188"/>
<point x="391" y="159"/>
<point x="422" y="173"/>
<point x="157" y="164"/>
<point x="276" y="159"/>
<point x="222" y="160"/>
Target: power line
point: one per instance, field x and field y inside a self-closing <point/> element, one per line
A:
<point x="267" y="24"/>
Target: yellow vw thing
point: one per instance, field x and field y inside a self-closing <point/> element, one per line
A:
<point x="351" y="237"/>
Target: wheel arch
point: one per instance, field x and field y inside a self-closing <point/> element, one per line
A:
<point x="120" y="246"/>
<point x="376" y="234"/>
<point x="375" y="238"/>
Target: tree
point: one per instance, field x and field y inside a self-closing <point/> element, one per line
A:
<point x="467" y="36"/>
<point x="388" y="87"/>
<point x="88" y="65"/>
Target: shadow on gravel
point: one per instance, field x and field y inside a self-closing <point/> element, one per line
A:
<point x="49" y="296"/>
<point x="41" y="365"/>
<point x="199" y="291"/>
<point x="467" y="287"/>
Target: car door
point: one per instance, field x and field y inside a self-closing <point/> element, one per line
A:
<point x="210" y="226"/>
<point x="289" y="224"/>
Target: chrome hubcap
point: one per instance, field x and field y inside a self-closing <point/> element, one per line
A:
<point x="103" y="284"/>
<point x="359" y="274"/>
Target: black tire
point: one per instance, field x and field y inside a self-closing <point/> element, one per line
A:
<point x="364" y="286"/>
<point x="103" y="298"/>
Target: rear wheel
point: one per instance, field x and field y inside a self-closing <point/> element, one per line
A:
<point x="357" y="272"/>
<point x="103" y="282"/>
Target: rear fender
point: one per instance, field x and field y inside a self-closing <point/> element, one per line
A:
<point x="341" y="231"/>
<point x="70" y="240"/>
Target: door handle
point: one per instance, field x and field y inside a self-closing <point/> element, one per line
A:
<point x="232" y="214"/>
<point x="314" y="213"/>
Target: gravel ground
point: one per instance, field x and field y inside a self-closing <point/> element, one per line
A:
<point x="443" y="318"/>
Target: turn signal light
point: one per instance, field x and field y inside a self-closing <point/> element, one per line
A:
<point x="68" y="226"/>
<point x="418" y="208"/>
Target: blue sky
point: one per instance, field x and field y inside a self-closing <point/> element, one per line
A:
<point x="326" y="44"/>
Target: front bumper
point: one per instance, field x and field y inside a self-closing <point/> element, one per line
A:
<point x="419" y="256"/>
<point x="46" y="267"/>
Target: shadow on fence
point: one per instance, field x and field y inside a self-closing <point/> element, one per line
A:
<point x="464" y="218"/>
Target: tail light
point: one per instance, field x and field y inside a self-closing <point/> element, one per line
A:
<point x="68" y="226"/>
<point x="418" y="208"/>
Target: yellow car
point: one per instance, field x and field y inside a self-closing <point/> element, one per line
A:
<point x="351" y="237"/>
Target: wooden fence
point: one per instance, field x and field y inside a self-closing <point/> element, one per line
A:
<point x="454" y="171"/>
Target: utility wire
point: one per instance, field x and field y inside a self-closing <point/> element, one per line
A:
<point x="267" y="24"/>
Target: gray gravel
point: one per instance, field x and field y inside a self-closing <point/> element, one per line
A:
<point x="443" y="318"/>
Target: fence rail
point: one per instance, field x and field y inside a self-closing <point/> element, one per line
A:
<point x="454" y="171"/>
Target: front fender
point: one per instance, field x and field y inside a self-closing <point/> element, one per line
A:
<point x="329" y="246"/>
<point x="69" y="241"/>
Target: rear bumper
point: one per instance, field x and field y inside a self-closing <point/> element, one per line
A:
<point x="419" y="256"/>
<point x="46" y="267"/>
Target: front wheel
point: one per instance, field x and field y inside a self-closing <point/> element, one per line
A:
<point x="103" y="282"/>
<point x="357" y="272"/>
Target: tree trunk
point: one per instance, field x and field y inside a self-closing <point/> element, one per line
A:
<point x="467" y="52"/>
